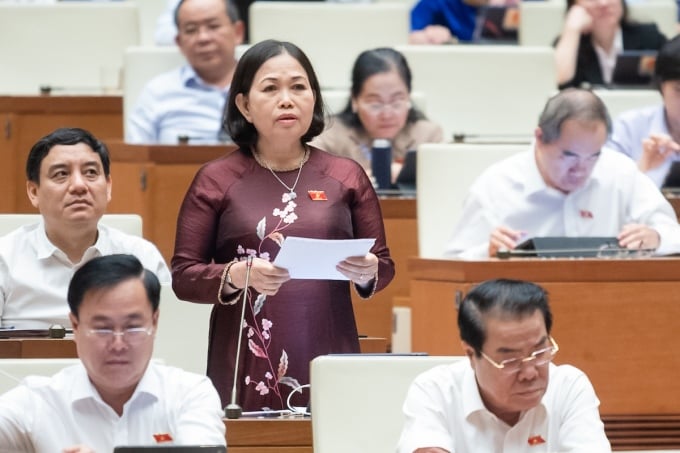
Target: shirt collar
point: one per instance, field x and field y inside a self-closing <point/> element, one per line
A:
<point x="83" y="389"/>
<point x="191" y="79"/>
<point x="607" y="60"/>
<point x="45" y="248"/>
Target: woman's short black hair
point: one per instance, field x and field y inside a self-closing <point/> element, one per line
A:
<point x="242" y="132"/>
<point x="370" y="63"/>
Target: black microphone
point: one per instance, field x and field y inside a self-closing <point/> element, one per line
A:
<point x="233" y="410"/>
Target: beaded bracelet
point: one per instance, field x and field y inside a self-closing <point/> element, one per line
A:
<point x="233" y="298"/>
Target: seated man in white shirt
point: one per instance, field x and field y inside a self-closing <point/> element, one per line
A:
<point x="188" y="102"/>
<point x="508" y="396"/>
<point x="116" y="395"/>
<point x="567" y="184"/>
<point x="651" y="135"/>
<point x="69" y="182"/>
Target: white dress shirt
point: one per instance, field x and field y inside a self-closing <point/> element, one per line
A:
<point x="513" y="193"/>
<point x="444" y="409"/>
<point x="632" y="127"/>
<point x="47" y="414"/>
<point x="34" y="274"/>
<point x="177" y="103"/>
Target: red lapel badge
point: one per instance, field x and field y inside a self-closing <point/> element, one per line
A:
<point x="585" y="214"/>
<point x="536" y="440"/>
<point x="317" y="195"/>
<point x="162" y="438"/>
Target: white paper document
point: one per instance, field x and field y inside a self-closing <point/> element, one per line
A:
<point x="316" y="259"/>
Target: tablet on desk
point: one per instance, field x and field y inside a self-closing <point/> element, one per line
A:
<point x="497" y="24"/>
<point x="672" y="181"/>
<point x="634" y="68"/>
<point x="406" y="179"/>
<point x="171" y="449"/>
<point x="564" y="246"/>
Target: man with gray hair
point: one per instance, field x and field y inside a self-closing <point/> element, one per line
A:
<point x="566" y="185"/>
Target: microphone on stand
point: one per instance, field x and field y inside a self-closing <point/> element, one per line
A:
<point x="233" y="410"/>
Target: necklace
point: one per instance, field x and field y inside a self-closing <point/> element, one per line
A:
<point x="291" y="190"/>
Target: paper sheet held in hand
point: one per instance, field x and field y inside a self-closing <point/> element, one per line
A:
<point x="316" y="259"/>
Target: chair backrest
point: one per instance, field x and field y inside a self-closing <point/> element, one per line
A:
<point x="141" y="64"/>
<point x="618" y="101"/>
<point x="128" y="223"/>
<point x="541" y="22"/>
<point x="357" y="399"/>
<point x="482" y="90"/>
<point x="70" y="47"/>
<point x="445" y="174"/>
<point x="331" y="34"/>
<point x="12" y="371"/>
<point x="149" y="11"/>
<point x="182" y="336"/>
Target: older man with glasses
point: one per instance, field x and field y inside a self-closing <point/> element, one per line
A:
<point x="116" y="396"/>
<point x="508" y="397"/>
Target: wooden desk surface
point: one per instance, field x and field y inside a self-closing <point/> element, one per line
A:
<point x="37" y="348"/>
<point x="255" y="435"/>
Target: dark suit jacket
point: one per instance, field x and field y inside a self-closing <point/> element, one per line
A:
<point x="635" y="37"/>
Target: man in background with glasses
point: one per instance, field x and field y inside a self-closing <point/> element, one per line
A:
<point x="116" y="396"/>
<point x="187" y="103"/>
<point x="567" y="184"/>
<point x="508" y="397"/>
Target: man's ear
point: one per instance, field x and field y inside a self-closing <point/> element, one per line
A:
<point x="32" y="192"/>
<point x="243" y="106"/>
<point x="74" y="323"/>
<point x="239" y="32"/>
<point x="538" y="134"/>
<point x="468" y="350"/>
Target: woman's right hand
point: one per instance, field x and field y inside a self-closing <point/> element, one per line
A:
<point x="579" y="19"/>
<point x="265" y="278"/>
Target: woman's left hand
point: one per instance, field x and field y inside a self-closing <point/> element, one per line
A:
<point x="359" y="269"/>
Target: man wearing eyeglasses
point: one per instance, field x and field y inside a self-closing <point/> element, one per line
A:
<point x="567" y="184"/>
<point x="508" y="397"/>
<point x="116" y="396"/>
<point x="188" y="102"/>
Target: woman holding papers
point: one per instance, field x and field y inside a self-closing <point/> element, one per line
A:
<point x="593" y="34"/>
<point x="238" y="212"/>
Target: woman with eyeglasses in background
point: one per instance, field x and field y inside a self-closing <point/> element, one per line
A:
<point x="380" y="107"/>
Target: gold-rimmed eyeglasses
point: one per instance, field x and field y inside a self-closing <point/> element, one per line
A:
<point x="375" y="107"/>
<point x="131" y="335"/>
<point x="536" y="358"/>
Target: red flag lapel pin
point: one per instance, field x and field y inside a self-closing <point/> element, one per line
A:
<point x="317" y="195"/>
<point x="161" y="438"/>
<point x="585" y="214"/>
<point x="536" y="440"/>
